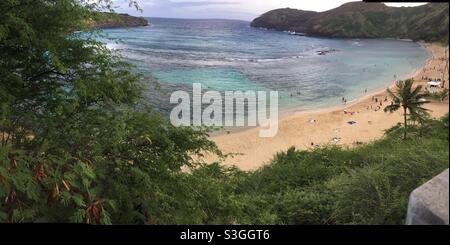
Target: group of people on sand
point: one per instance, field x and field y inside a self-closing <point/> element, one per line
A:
<point x="434" y="69"/>
<point x="350" y="112"/>
<point x="379" y="102"/>
<point x="440" y="69"/>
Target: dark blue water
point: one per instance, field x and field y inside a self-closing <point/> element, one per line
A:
<point x="230" y="55"/>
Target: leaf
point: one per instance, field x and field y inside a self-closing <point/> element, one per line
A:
<point x="78" y="199"/>
<point x="78" y="216"/>
<point x="105" y="218"/>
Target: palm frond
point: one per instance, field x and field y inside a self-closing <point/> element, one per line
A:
<point x="391" y="108"/>
<point x="411" y="100"/>
<point x="416" y="91"/>
<point x="393" y="95"/>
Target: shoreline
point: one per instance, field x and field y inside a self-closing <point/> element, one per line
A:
<point x="330" y="128"/>
<point x="288" y="112"/>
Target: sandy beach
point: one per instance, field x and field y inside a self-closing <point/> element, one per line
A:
<point x="308" y="129"/>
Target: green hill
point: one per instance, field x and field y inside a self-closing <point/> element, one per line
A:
<point x="428" y="22"/>
<point x="284" y="19"/>
<point x="114" y="20"/>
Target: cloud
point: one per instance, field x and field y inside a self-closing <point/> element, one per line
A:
<point x="199" y="3"/>
<point x="228" y="9"/>
<point x="169" y="4"/>
<point x="187" y="8"/>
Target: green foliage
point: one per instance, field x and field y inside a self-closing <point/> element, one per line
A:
<point x="369" y="184"/>
<point x="74" y="145"/>
<point x="284" y="19"/>
<point x="365" y="20"/>
<point x="428" y="23"/>
<point x="410" y="100"/>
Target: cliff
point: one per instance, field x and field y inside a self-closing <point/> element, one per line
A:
<point x="428" y="22"/>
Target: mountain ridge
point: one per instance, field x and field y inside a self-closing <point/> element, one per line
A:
<point x="427" y="22"/>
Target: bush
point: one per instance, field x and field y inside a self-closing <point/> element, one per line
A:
<point x="369" y="184"/>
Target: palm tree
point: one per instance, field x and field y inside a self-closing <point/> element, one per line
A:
<point x="410" y="99"/>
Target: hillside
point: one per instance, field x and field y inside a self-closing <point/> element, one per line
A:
<point x="112" y="20"/>
<point x="364" y="20"/>
<point x="285" y="19"/>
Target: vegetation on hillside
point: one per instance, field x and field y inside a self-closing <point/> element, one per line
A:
<point x="104" y="20"/>
<point x="369" y="184"/>
<point x="74" y="145"/>
<point x="78" y="145"/>
<point x="285" y="19"/>
<point x="428" y="22"/>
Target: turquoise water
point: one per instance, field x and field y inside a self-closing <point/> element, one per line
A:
<point x="230" y="55"/>
<point x="219" y="79"/>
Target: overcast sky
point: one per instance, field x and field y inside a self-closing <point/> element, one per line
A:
<point x="226" y="9"/>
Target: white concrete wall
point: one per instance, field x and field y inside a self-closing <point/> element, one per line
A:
<point x="428" y="204"/>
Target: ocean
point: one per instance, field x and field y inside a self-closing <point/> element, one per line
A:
<point x="222" y="55"/>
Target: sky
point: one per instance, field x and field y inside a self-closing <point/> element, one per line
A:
<point x="225" y="9"/>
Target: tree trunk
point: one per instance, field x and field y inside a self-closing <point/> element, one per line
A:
<point x="405" y="122"/>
